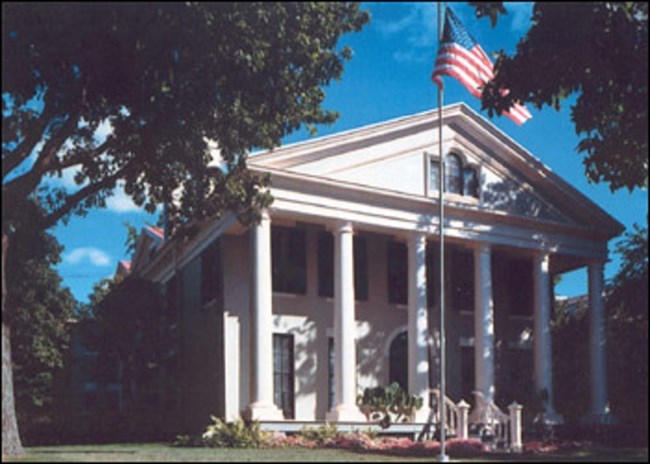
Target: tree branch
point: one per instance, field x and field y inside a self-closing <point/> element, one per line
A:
<point x="73" y="200"/>
<point x="25" y="148"/>
<point x="25" y="184"/>
<point x="81" y="157"/>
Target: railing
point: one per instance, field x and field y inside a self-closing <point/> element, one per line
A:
<point x="496" y="427"/>
<point x="452" y="412"/>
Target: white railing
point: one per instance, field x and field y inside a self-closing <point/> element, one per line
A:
<point x="503" y="429"/>
<point x="452" y="412"/>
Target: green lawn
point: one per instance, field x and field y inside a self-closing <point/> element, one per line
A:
<point x="165" y="453"/>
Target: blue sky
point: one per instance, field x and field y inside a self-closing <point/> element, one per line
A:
<point x="388" y="77"/>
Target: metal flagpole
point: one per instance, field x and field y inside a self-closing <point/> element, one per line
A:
<point x="441" y="400"/>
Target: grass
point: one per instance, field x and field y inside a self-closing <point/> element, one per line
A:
<point x="164" y="453"/>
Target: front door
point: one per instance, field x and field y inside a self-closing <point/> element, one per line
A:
<point x="398" y="361"/>
<point x="283" y="376"/>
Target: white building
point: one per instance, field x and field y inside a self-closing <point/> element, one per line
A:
<point x="337" y="288"/>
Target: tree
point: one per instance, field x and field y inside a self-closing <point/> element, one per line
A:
<point x="40" y="310"/>
<point x="627" y="349"/>
<point x="166" y="77"/>
<point x="125" y="313"/>
<point x="599" y="51"/>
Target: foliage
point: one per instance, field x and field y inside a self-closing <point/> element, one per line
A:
<point x="627" y="306"/>
<point x="125" y="313"/>
<point x="221" y="434"/>
<point x="388" y="404"/>
<point x="599" y="51"/>
<point x="166" y="77"/>
<point x="40" y="309"/>
<point x="627" y="345"/>
<point x="321" y="434"/>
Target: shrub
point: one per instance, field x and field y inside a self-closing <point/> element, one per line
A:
<point x="388" y="404"/>
<point x="237" y="434"/>
<point x="319" y="435"/>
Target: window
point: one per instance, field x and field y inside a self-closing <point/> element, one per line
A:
<point x="330" y="373"/>
<point x="459" y="179"/>
<point x="326" y="266"/>
<point x="397" y="273"/>
<point x="521" y="285"/>
<point x="434" y="175"/>
<point x="211" y="277"/>
<point x="453" y="174"/>
<point x="467" y="373"/>
<point x="470" y="182"/>
<point x="521" y="375"/>
<point x="283" y="374"/>
<point x="360" y="269"/>
<point x="462" y="279"/>
<point x="289" y="260"/>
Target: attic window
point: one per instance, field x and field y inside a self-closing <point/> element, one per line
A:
<point x="460" y="178"/>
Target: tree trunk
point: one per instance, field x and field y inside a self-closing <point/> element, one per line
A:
<point x="11" y="444"/>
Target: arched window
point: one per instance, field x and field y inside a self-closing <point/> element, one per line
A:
<point x="453" y="174"/>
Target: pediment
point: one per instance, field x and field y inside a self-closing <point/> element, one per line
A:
<point x="396" y="156"/>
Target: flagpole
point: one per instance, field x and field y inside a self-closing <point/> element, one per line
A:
<point x="441" y="401"/>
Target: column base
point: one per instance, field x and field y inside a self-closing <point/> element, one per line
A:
<point x="423" y="415"/>
<point x="264" y="412"/>
<point x="345" y="413"/>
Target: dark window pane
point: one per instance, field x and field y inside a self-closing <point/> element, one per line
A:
<point x="397" y="273"/>
<point x="467" y="373"/>
<point x="434" y="175"/>
<point x="453" y="174"/>
<point x="521" y="283"/>
<point x="211" y="273"/>
<point x="330" y="374"/>
<point x="462" y="279"/>
<point x="470" y="182"/>
<point x="283" y="375"/>
<point x="360" y="269"/>
<point x="289" y="260"/>
<point x="325" y="264"/>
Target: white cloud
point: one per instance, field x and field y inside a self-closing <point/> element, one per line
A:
<point x="120" y="202"/>
<point x="94" y="256"/>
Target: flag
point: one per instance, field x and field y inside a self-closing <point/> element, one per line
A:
<point x="460" y="56"/>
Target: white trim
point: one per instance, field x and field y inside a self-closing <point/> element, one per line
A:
<point x="394" y="333"/>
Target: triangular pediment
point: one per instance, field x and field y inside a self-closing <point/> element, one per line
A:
<point x="397" y="156"/>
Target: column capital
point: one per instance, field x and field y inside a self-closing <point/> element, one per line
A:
<point x="482" y="247"/>
<point x="343" y="227"/>
<point x="416" y="237"/>
<point x="265" y="215"/>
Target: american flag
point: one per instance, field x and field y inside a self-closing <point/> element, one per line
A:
<point x="460" y="56"/>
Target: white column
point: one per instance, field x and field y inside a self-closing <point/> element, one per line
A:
<point x="262" y="406"/>
<point x="597" y="342"/>
<point x="483" y="323"/>
<point x="345" y="353"/>
<point x="542" y="335"/>
<point x="418" y="329"/>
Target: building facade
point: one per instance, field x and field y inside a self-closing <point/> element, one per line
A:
<point x="338" y="287"/>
